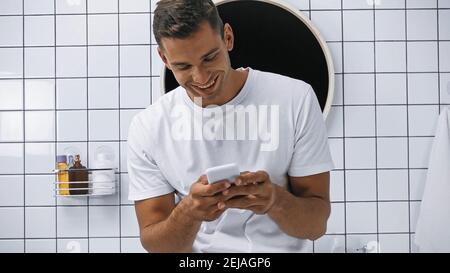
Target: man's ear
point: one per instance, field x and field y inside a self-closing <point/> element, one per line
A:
<point x="228" y="36"/>
<point x="163" y="57"/>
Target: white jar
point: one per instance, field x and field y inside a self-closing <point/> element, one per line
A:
<point x="103" y="181"/>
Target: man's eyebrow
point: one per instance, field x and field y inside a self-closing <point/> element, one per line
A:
<point x="204" y="56"/>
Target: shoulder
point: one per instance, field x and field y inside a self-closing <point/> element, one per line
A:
<point x="282" y="85"/>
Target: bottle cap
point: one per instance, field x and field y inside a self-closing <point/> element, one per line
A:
<point x="61" y="158"/>
<point x="70" y="160"/>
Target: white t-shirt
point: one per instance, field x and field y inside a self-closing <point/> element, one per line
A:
<point x="165" y="157"/>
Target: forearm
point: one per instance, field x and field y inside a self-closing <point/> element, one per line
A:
<point x="175" y="234"/>
<point x="302" y="217"/>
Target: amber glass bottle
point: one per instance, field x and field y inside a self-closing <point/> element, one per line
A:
<point x="78" y="173"/>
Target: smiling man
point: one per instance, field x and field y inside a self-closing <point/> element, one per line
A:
<point x="281" y="198"/>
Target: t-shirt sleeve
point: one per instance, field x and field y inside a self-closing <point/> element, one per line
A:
<point x="145" y="178"/>
<point x="311" y="149"/>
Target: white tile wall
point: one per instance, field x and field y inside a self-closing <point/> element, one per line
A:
<point x="361" y="217"/>
<point x="358" y="57"/>
<point x="394" y="243"/>
<point x="392" y="152"/>
<point x="77" y="6"/>
<point x="70" y="29"/>
<point x="72" y="222"/>
<point x="392" y="79"/>
<point x="11" y="190"/>
<point x="104" y="221"/>
<point x="390" y="56"/>
<point x="393" y="217"/>
<point x="11" y="28"/>
<point x="71" y="94"/>
<point x="391" y="120"/>
<point x="444" y="57"/>
<point x="11" y="126"/>
<point x="39" y="94"/>
<point x="134" y="28"/>
<point x="11" y="7"/>
<point x="71" y="62"/>
<point x="103" y="93"/>
<point x="104" y="245"/>
<point x="360" y="185"/>
<point x="39" y="190"/>
<point x="417" y="181"/>
<point x="329" y="23"/>
<point x="389" y="24"/>
<point x="393" y="184"/>
<point x="103" y="61"/>
<point x="134" y="92"/>
<point x="38" y="6"/>
<point x="337" y="191"/>
<point x="330" y="244"/>
<point x="391" y="88"/>
<point x="40" y="245"/>
<point x="12" y="63"/>
<point x="354" y="159"/>
<point x="359" y="89"/>
<point x="363" y="31"/>
<point x="40" y="222"/>
<point x="102" y="29"/>
<point x="419" y="62"/>
<point x="11" y="92"/>
<point x="103" y="6"/>
<point x="423" y="88"/>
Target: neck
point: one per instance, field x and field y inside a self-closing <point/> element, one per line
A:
<point x="233" y="85"/>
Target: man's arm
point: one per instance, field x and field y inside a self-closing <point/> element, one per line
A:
<point x="166" y="227"/>
<point x="304" y="212"/>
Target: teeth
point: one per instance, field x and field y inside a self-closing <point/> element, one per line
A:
<point x="207" y="86"/>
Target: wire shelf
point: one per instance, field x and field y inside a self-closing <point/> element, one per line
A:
<point x="100" y="182"/>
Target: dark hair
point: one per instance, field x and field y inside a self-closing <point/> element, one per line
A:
<point x="180" y="18"/>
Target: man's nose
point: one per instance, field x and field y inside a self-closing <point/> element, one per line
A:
<point x="200" y="76"/>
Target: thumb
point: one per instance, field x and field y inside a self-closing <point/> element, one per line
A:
<point x="203" y="180"/>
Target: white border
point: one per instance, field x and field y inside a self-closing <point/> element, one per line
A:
<point x="314" y="31"/>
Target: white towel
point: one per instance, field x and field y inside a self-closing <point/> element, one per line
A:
<point x="433" y="224"/>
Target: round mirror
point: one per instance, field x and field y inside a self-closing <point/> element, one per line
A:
<point x="275" y="37"/>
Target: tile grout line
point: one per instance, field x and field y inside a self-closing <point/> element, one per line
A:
<point x="151" y="55"/>
<point x="56" y="125"/>
<point x="343" y="126"/>
<point x="309" y="14"/>
<point x="119" y="159"/>
<point x="88" y="164"/>
<point x="146" y="12"/>
<point x="23" y="126"/>
<point x="438" y="57"/>
<point x="376" y="127"/>
<point x="155" y="44"/>
<point x="407" y="126"/>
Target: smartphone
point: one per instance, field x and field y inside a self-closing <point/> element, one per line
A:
<point x="222" y="172"/>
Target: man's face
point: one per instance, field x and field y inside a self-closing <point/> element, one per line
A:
<point x="200" y="63"/>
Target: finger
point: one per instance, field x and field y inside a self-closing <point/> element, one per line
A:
<point x="249" y="178"/>
<point x="212" y="189"/>
<point x="242" y="190"/>
<point x="203" y="180"/>
<point x="243" y="202"/>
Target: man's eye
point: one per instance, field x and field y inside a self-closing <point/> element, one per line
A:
<point x="184" y="67"/>
<point x="209" y="59"/>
